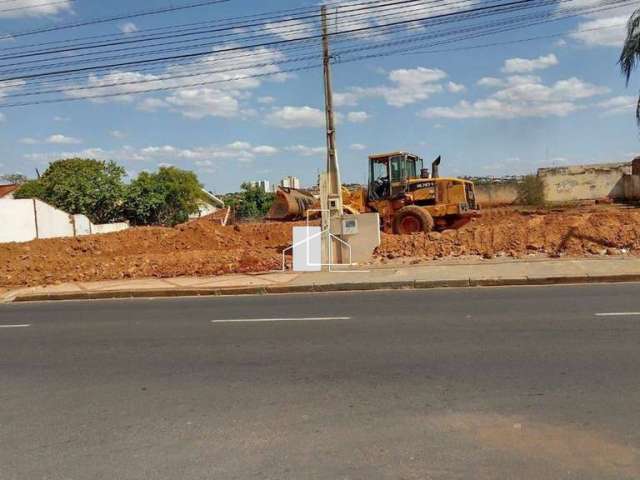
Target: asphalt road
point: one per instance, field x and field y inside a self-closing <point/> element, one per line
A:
<point x="492" y="383"/>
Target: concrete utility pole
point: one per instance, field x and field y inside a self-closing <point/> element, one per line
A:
<point x="334" y="184"/>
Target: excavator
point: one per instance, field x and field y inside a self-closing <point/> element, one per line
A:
<point x="408" y="198"/>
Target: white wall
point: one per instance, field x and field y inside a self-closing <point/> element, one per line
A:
<point x="584" y="182"/>
<point x="82" y="224"/>
<point x="26" y="220"/>
<point x="52" y="223"/>
<point x="109" y="227"/>
<point x="17" y="221"/>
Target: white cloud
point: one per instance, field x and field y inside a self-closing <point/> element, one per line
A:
<point x="264" y="150"/>
<point x="225" y="94"/>
<point x="490" y="82"/>
<point x="117" y="134"/>
<point x="607" y="32"/>
<point x="407" y="86"/>
<point x="357" y="147"/>
<point x="617" y="105"/>
<point x="35" y="8"/>
<point x="208" y="156"/>
<point x="58" y="118"/>
<point x="201" y="102"/>
<point x="523" y="96"/>
<point x="266" y="100"/>
<point x="10" y="87"/>
<point x="605" y="28"/>
<point x="128" y="27"/>
<point x="296" y="117"/>
<point x="357" y="117"/>
<point x="289" y="29"/>
<point x="59" y="139"/>
<point x="238" y="145"/>
<point x="526" y="65"/>
<point x="345" y="99"/>
<point x="29" y="141"/>
<point x="151" y="104"/>
<point x="456" y="87"/>
<point x="306" y="151"/>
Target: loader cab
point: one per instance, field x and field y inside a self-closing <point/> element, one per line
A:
<point x="389" y="174"/>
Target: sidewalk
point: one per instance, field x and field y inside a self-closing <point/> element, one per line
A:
<point x="426" y="275"/>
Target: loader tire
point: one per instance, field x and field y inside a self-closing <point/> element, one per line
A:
<point x="412" y="219"/>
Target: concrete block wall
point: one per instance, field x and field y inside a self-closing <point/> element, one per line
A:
<point x="495" y="194"/>
<point x="584" y="182"/>
<point x="631" y="187"/>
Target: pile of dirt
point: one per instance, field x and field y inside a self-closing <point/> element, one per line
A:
<point x="198" y="248"/>
<point x="204" y="247"/>
<point x="516" y="233"/>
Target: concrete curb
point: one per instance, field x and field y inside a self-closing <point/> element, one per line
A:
<point x="328" y="287"/>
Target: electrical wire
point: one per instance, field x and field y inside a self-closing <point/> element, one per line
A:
<point x="341" y="56"/>
<point x="96" y="21"/>
<point x="273" y="43"/>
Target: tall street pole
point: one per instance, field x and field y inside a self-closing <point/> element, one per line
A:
<point x="334" y="185"/>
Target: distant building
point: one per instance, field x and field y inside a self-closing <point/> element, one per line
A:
<point x="263" y="185"/>
<point x="290" y="182"/>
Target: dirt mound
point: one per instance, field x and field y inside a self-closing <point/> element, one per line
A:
<point x="204" y="247"/>
<point x="197" y="248"/>
<point x="596" y="231"/>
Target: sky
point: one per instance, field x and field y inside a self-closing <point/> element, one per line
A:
<point x="488" y="110"/>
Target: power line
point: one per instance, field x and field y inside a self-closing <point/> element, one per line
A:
<point x="496" y="27"/>
<point x="253" y="55"/>
<point x="227" y="28"/>
<point x="264" y="44"/>
<point x="268" y="32"/>
<point x="95" y="21"/>
<point x="39" y="5"/>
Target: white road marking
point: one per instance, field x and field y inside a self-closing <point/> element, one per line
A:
<point x="16" y="326"/>
<point x="299" y="319"/>
<point x="617" y="314"/>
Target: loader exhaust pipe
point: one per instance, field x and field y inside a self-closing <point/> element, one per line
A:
<point x="434" y="167"/>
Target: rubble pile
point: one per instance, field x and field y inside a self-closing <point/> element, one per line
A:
<point x="204" y="247"/>
<point x="598" y="230"/>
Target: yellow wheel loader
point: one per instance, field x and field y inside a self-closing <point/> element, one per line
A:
<point x="408" y="198"/>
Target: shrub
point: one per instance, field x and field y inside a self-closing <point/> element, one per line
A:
<point x="531" y="191"/>
<point x="166" y="197"/>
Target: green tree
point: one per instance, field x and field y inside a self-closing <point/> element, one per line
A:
<point x="253" y="202"/>
<point x="166" y="197"/>
<point x="77" y="185"/>
<point x="631" y="52"/>
<point x="16" y="178"/>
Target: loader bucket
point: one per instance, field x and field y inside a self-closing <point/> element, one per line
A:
<point x="291" y="204"/>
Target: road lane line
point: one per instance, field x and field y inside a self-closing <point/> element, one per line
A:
<point x="616" y="314"/>
<point x="16" y="326"/>
<point x="293" y="319"/>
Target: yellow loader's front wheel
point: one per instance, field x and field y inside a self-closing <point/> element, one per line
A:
<point x="412" y="219"/>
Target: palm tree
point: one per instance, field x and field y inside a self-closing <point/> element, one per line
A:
<point x="630" y="54"/>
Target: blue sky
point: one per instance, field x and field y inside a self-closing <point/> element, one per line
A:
<point x="507" y="109"/>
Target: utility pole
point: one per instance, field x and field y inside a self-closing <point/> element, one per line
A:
<point x="333" y="183"/>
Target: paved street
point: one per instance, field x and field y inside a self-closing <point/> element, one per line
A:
<point x="485" y="383"/>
